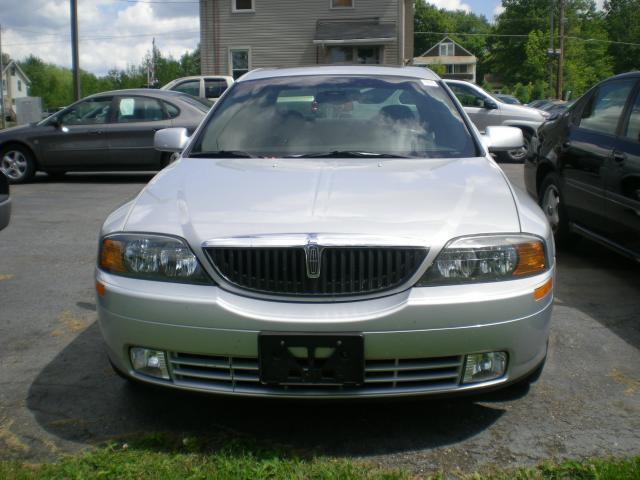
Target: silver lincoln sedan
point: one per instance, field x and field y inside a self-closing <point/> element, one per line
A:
<point x="329" y="232"/>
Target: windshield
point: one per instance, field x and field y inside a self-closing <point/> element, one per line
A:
<point x="322" y="115"/>
<point x="201" y="104"/>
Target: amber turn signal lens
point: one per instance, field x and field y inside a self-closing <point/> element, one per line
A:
<point x="531" y="259"/>
<point x="542" y="291"/>
<point x="111" y="256"/>
<point x="100" y="289"/>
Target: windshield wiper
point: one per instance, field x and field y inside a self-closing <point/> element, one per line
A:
<point x="347" y="154"/>
<point x="222" y="154"/>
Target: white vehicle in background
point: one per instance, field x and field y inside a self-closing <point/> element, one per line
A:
<point x="487" y="111"/>
<point x="210" y="87"/>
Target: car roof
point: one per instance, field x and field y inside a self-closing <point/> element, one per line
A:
<point x="369" y="70"/>
<point x="140" y="91"/>
<point x="625" y="75"/>
<point x="198" y="77"/>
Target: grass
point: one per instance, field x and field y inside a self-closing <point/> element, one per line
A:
<point x="164" y="457"/>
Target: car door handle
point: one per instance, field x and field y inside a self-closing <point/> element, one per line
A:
<point x="619" y="157"/>
<point x="95" y="132"/>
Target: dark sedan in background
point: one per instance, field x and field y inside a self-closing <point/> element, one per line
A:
<point x="5" y="201"/>
<point x="586" y="170"/>
<point x="107" y="131"/>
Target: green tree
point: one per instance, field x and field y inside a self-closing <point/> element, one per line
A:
<point x="536" y="54"/>
<point x="523" y="60"/>
<point x="622" y="22"/>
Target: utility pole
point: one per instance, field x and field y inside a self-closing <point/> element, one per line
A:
<point x="75" y="59"/>
<point x="552" y="46"/>
<point x="2" y="83"/>
<point x="559" y="84"/>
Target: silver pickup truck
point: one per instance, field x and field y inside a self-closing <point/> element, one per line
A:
<point x="486" y="111"/>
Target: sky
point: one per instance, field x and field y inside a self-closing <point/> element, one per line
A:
<point x="118" y="33"/>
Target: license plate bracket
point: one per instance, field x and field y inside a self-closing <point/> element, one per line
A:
<point x="311" y="359"/>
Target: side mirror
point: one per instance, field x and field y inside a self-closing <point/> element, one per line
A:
<point x="503" y="139"/>
<point x="490" y="104"/>
<point x="171" y="139"/>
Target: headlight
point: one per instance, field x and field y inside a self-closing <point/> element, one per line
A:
<point x="151" y="257"/>
<point x="486" y="259"/>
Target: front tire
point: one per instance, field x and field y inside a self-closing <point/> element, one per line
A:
<point x="552" y="204"/>
<point x="17" y="163"/>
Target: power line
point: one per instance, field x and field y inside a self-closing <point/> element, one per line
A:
<point x="186" y="33"/>
<point x="526" y="36"/>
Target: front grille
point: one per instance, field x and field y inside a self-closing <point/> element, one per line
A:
<point x="343" y="271"/>
<point x="241" y="375"/>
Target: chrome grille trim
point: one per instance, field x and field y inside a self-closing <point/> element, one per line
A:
<point x="240" y="375"/>
<point x="345" y="271"/>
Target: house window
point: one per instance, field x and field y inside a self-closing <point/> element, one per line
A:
<point x="340" y="54"/>
<point x="447" y="49"/>
<point x="342" y="3"/>
<point x="239" y="61"/>
<point x="243" y="6"/>
<point x="368" y="55"/>
<point x="19" y="86"/>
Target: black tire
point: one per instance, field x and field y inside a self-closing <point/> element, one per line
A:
<point x="17" y="163"/>
<point x="554" y="209"/>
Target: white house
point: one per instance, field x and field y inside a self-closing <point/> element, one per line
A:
<point x="15" y="84"/>
<point x="459" y="63"/>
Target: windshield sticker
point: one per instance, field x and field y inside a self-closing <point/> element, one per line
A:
<point x="429" y="83"/>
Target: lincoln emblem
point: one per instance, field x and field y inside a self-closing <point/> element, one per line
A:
<point x="312" y="254"/>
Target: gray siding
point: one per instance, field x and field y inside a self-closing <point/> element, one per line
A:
<point x="280" y="33"/>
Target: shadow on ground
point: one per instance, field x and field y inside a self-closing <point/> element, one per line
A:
<point x="78" y="398"/>
<point x="603" y="285"/>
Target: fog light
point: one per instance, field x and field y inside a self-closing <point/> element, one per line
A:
<point x="482" y="367"/>
<point x="149" y="362"/>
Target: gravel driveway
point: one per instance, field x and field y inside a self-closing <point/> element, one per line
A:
<point x="58" y="393"/>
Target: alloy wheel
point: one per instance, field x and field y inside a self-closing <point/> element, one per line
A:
<point x="551" y="206"/>
<point x="519" y="154"/>
<point x="14" y="164"/>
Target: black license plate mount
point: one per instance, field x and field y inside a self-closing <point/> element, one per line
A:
<point x="311" y="359"/>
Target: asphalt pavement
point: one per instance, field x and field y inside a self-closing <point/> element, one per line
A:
<point x="59" y="395"/>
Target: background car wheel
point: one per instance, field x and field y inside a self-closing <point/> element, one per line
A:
<point x="518" y="155"/>
<point x="17" y="163"/>
<point x="552" y="204"/>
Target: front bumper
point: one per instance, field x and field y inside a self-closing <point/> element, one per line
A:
<point x="415" y="341"/>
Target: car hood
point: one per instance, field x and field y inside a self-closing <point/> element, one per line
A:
<point x="428" y="201"/>
<point x="17" y="131"/>
<point x="522" y="111"/>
